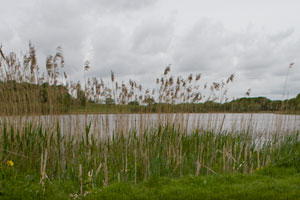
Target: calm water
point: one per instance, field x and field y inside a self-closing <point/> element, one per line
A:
<point x="104" y="124"/>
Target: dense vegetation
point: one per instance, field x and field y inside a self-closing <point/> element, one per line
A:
<point x="242" y="105"/>
<point x="25" y="98"/>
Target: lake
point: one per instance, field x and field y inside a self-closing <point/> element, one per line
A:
<point x="106" y="124"/>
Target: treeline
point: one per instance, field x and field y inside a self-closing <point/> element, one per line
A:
<point x="25" y="98"/>
<point x="25" y="90"/>
<point x="245" y="104"/>
<point x="241" y="105"/>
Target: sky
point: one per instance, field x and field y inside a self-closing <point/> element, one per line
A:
<point x="256" y="40"/>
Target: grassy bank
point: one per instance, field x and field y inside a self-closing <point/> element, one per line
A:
<point x="93" y="108"/>
<point x="269" y="183"/>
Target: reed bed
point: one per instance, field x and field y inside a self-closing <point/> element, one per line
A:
<point x="24" y="89"/>
<point x="135" y="153"/>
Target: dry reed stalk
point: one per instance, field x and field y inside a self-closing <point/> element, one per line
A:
<point x="258" y="157"/>
<point x="105" y="167"/>
<point x="98" y="169"/>
<point x="135" y="166"/>
<point x="198" y="168"/>
<point x="145" y="165"/>
<point x="80" y="179"/>
<point x="251" y="163"/>
<point x="224" y="158"/>
<point x="240" y="152"/>
<point x="181" y="159"/>
<point x="42" y="172"/>
<point x="126" y="161"/>
<point x="245" y="168"/>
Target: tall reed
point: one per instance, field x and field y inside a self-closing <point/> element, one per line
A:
<point x="137" y="154"/>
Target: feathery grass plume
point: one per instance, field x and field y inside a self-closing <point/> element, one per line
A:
<point x="167" y="70"/>
<point x="198" y="76"/>
<point x="285" y="84"/>
<point x="31" y="90"/>
<point x="286" y="78"/>
<point x="230" y="79"/>
<point x="87" y="65"/>
<point x="190" y="78"/>
<point x="248" y="92"/>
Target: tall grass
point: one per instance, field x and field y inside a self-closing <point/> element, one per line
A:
<point x="25" y="90"/>
<point x="134" y="155"/>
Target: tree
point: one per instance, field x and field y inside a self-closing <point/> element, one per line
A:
<point x="149" y="101"/>
<point x="133" y="103"/>
<point x="109" y="101"/>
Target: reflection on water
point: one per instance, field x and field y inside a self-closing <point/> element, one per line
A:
<point x="106" y="124"/>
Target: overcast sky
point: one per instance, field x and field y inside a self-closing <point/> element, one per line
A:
<point x="256" y="40"/>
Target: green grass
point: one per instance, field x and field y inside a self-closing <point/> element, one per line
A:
<point x="234" y="186"/>
<point x="269" y="183"/>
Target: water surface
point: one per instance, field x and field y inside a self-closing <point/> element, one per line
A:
<point x="106" y="124"/>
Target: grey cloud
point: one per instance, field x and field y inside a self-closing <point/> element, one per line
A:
<point x="264" y="56"/>
<point x="67" y="23"/>
<point x="137" y="53"/>
<point x="207" y="46"/>
<point x="120" y="5"/>
<point x="110" y="51"/>
<point x="152" y="36"/>
<point x="102" y="8"/>
<point x="259" y="59"/>
<point x="282" y="35"/>
<point x="49" y="24"/>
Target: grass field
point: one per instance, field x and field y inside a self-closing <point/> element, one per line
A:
<point x="269" y="183"/>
